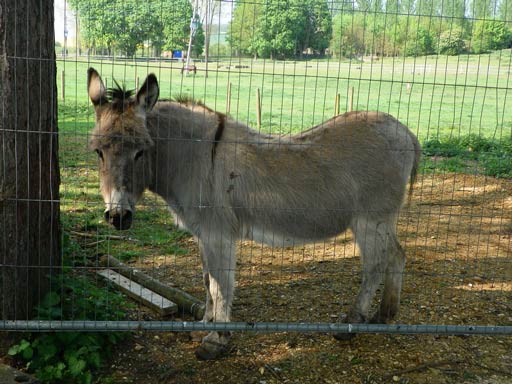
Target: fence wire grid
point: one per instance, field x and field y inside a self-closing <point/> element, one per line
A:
<point x="282" y="67"/>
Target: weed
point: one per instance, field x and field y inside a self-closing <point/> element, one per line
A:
<point x="469" y="153"/>
<point x="70" y="357"/>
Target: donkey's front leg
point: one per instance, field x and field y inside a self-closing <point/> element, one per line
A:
<point x="218" y="256"/>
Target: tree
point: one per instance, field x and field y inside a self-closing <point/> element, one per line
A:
<point x="125" y="25"/>
<point x="451" y="42"/>
<point x="241" y="34"/>
<point x="208" y="9"/>
<point x="428" y="7"/>
<point x="490" y="35"/>
<point x="198" y="41"/>
<point x="481" y="9"/>
<point x="505" y="10"/>
<point x="174" y="21"/>
<point x="318" y="27"/>
<point x="348" y="37"/>
<point x="369" y="5"/>
<point x="418" y="40"/>
<point x="29" y="173"/>
<point x="280" y="28"/>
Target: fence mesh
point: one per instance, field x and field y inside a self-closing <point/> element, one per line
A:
<point x="282" y="67"/>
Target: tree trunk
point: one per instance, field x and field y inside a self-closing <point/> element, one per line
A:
<point x="29" y="173"/>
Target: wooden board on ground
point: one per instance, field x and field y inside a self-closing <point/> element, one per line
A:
<point x="185" y="301"/>
<point x="142" y="294"/>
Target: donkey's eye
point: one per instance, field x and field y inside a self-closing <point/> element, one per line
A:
<point x="138" y="155"/>
<point x="100" y="153"/>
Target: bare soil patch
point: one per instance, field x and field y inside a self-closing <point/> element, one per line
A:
<point x="457" y="233"/>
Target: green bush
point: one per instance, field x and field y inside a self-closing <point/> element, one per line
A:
<point x="490" y="35"/>
<point x="422" y="43"/>
<point x="70" y="357"/>
<point x="219" y="50"/>
<point x="452" y="154"/>
<point x="451" y="42"/>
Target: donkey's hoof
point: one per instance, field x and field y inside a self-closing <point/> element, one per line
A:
<point x="344" y="336"/>
<point x="210" y="350"/>
<point x="377" y="318"/>
<point x="382" y="317"/>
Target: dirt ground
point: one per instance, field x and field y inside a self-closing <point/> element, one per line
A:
<point x="457" y="233"/>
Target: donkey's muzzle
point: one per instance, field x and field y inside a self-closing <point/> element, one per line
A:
<point x="119" y="220"/>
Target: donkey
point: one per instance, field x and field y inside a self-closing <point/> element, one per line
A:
<point x="224" y="182"/>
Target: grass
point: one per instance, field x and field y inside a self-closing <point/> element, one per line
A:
<point x="456" y="105"/>
<point x="446" y="96"/>
<point x="469" y="154"/>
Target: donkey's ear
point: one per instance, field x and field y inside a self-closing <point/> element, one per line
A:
<point x="95" y="88"/>
<point x="148" y="93"/>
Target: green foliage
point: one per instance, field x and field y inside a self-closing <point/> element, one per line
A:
<point x="70" y="357"/>
<point x="125" y="25"/>
<point x="198" y="41"/>
<point x="277" y="34"/>
<point x="451" y="42"/>
<point x="242" y="28"/>
<point x="414" y="28"/>
<point x="279" y="28"/>
<point x="481" y="9"/>
<point x="421" y="45"/>
<point x="220" y="50"/>
<point x="173" y="29"/>
<point x="494" y="157"/>
<point x="490" y="35"/>
<point x="348" y="38"/>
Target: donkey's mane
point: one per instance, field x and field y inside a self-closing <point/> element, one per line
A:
<point x="188" y="101"/>
<point x="119" y="96"/>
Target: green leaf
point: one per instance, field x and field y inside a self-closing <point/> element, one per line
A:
<point x="50" y="300"/>
<point x="14" y="350"/>
<point x="19" y="348"/>
<point x="76" y="366"/>
<point x="47" y="351"/>
<point x="94" y="360"/>
<point x="27" y="353"/>
<point x="67" y="337"/>
<point x="87" y="378"/>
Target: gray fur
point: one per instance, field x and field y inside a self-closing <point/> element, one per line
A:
<point x="349" y="172"/>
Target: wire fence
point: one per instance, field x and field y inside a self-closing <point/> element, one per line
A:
<point x="444" y="73"/>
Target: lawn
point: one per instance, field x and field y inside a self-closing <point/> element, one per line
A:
<point x="434" y="95"/>
<point x="437" y="96"/>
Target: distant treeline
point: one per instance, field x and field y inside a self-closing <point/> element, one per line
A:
<point x="294" y="28"/>
<point x="123" y="26"/>
<point x="348" y="28"/>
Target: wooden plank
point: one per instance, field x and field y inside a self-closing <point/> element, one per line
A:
<point x="185" y="301"/>
<point x="141" y="294"/>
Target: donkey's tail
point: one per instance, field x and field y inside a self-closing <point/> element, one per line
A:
<point x="415" y="165"/>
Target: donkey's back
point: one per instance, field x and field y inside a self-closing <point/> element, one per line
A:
<point x="315" y="184"/>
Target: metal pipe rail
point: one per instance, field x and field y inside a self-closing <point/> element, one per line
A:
<point x="186" y="326"/>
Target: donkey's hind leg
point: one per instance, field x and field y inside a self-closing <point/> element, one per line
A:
<point x="393" y="282"/>
<point x="371" y="237"/>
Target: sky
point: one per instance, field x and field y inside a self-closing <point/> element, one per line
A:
<point x="62" y="12"/>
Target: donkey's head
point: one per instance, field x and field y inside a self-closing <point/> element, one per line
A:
<point x="123" y="144"/>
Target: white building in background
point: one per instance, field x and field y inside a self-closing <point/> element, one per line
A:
<point x="65" y="24"/>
